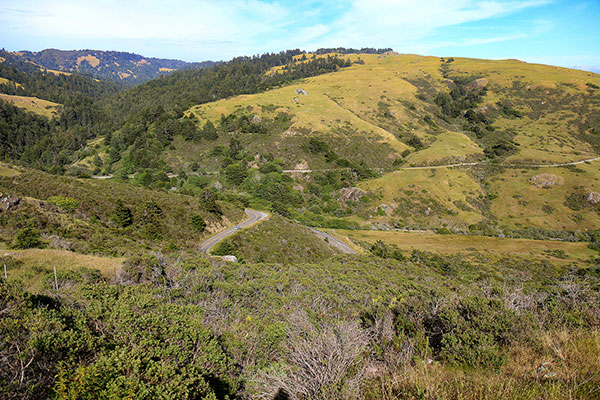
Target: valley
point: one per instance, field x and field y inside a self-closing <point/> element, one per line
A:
<point x="356" y="224"/>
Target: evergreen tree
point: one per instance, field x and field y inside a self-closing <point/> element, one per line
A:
<point x="122" y="215"/>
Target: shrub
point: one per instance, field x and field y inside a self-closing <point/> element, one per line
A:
<point x="198" y="223"/>
<point x="225" y="248"/>
<point x="208" y="201"/>
<point x="236" y="173"/>
<point x="67" y="204"/>
<point x="472" y="332"/>
<point x="121" y="215"/>
<point x="27" y="238"/>
<point x="380" y="249"/>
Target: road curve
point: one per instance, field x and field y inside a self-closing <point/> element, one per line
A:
<point x="255" y="216"/>
<point x="333" y="241"/>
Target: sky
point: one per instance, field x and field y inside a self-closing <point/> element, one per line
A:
<point x="557" y="32"/>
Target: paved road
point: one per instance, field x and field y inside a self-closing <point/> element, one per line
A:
<point x="335" y="242"/>
<point x="255" y="216"/>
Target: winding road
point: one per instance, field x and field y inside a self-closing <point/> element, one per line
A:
<point x="333" y="241"/>
<point x="255" y="216"/>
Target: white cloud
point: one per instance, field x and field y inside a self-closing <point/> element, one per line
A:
<point x="227" y="28"/>
<point x="404" y="23"/>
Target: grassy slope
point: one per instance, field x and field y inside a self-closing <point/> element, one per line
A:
<point x="88" y="230"/>
<point x="282" y="241"/>
<point x="554" y="99"/>
<point x="8" y="170"/>
<point x="33" y="267"/>
<point x="535" y="250"/>
<point x="364" y="110"/>
<point x="41" y="107"/>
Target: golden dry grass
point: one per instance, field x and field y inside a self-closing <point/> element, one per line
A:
<point x="41" y="107"/>
<point x="4" y="81"/>
<point x="66" y="260"/>
<point x="92" y="60"/>
<point x="8" y="171"/>
<point x="451" y="244"/>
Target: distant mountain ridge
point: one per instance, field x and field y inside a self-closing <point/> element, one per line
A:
<point x="113" y="65"/>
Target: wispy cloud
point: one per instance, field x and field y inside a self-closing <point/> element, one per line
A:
<point x="201" y="29"/>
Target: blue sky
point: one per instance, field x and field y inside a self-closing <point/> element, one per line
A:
<point x="557" y="32"/>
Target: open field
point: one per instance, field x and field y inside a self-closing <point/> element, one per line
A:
<point x="41" y="107"/>
<point x="555" y="251"/>
<point x="34" y="266"/>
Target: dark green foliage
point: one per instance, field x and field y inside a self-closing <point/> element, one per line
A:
<point x="415" y="142"/>
<point x="50" y="144"/>
<point x="20" y="131"/>
<point x="209" y="132"/>
<point x="208" y="201"/>
<point x="595" y="242"/>
<point x="236" y="173"/>
<point x="121" y="215"/>
<point x="113" y="342"/>
<point x="472" y="332"/>
<point x="150" y="220"/>
<point x="317" y="146"/>
<point x="198" y="223"/>
<point x="225" y="248"/>
<point x="280" y="208"/>
<point x="383" y="250"/>
<point x="27" y="238"/>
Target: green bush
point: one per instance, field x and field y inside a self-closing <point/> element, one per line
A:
<point x="472" y="332"/>
<point x="121" y="215"/>
<point x="236" y="173"/>
<point x="198" y="223"/>
<point x="27" y="238"/>
<point x="225" y="248"/>
<point x="67" y="204"/>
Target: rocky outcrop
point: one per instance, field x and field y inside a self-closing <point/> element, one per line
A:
<point x="592" y="198"/>
<point x="8" y="202"/>
<point x="544" y="181"/>
<point x="477" y="84"/>
<point x="351" y="194"/>
<point x="302" y="92"/>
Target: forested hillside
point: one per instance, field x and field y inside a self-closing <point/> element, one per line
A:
<point x="108" y="65"/>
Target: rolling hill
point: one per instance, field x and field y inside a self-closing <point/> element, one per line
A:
<point x="389" y="112"/>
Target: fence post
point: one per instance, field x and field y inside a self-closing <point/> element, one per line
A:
<point x="5" y="276"/>
<point x="55" y="279"/>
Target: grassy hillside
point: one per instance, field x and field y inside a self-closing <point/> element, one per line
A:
<point x="277" y="240"/>
<point x="401" y="111"/>
<point x="41" y="107"/>
<point x="80" y="215"/>
<point x="478" y="246"/>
